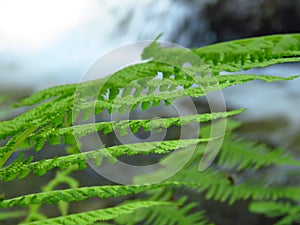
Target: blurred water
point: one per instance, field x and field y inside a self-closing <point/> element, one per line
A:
<point x="105" y="25"/>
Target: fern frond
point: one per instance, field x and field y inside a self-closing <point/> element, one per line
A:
<point x="203" y="86"/>
<point x="171" y="215"/>
<point x="217" y="186"/>
<point x="22" y="168"/>
<point x="87" y="218"/>
<point x="243" y="78"/>
<point x="80" y="194"/>
<point x="14" y="143"/>
<point x="120" y="79"/>
<point x="248" y="53"/>
<point x="47" y="94"/>
<point x="290" y="213"/>
<point x="47" y="114"/>
<point x="245" y="154"/>
<point x="54" y="135"/>
<point x="166" y="215"/>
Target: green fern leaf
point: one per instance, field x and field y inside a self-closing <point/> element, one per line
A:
<point x="249" y="53"/>
<point x="79" y="194"/>
<point x="289" y="213"/>
<point x="246" y="154"/>
<point x="21" y="168"/>
<point x="91" y="217"/>
<point x="123" y="126"/>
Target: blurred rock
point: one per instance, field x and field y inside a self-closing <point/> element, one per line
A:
<point x="234" y="19"/>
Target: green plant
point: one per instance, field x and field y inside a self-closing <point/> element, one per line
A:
<point x="54" y="112"/>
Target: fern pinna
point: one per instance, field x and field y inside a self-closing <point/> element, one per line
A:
<point x="53" y="117"/>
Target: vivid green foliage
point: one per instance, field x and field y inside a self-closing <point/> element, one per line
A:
<point x="60" y="116"/>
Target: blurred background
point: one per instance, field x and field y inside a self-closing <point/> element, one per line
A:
<point x="46" y="43"/>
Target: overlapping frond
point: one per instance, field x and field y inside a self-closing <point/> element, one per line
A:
<point x="80" y="194"/>
<point x="218" y="185"/>
<point x="91" y="217"/>
<point x="167" y="215"/>
<point x="249" y="53"/>
<point x="289" y="212"/>
<point x="172" y="215"/>
<point x="21" y="168"/>
<point x="244" y="154"/>
<point x="122" y="127"/>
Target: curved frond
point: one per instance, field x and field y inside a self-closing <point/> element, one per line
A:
<point x="218" y="186"/>
<point x="172" y="215"/>
<point x="249" y="53"/>
<point x="87" y="218"/>
<point x="80" y="194"/>
<point x="21" y="168"/>
<point x="123" y="126"/>
<point x="245" y="154"/>
<point x="289" y="213"/>
<point x="46" y="94"/>
<point x="181" y="215"/>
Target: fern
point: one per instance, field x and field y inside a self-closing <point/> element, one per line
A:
<point x="288" y="211"/>
<point x="60" y="116"/>
<point x="54" y="135"/>
<point x="252" y="52"/>
<point x="98" y="215"/>
<point x="244" y="154"/>
<point x="167" y="215"/>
